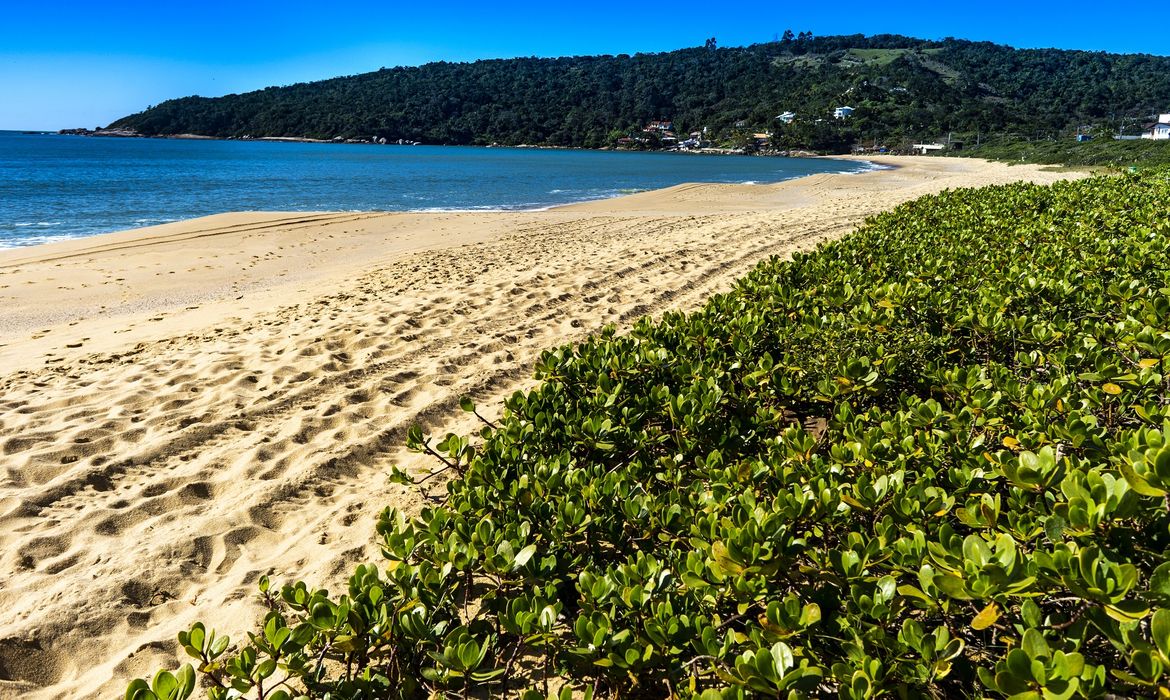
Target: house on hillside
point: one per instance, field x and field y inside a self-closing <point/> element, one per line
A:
<point x="694" y="140"/>
<point x="842" y="112"/>
<point x="1160" y="130"/>
<point x="786" y="117"/>
<point x="925" y="148"/>
<point x="660" y="125"/>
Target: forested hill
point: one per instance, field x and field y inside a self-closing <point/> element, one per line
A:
<point x="902" y="88"/>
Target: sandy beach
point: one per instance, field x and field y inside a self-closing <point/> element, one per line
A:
<point x="186" y="407"/>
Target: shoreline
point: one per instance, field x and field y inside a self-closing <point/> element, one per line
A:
<point x="710" y="151"/>
<point x="190" y="406"/>
<point x="862" y="165"/>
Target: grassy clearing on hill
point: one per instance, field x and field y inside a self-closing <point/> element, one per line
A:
<point x="927" y="460"/>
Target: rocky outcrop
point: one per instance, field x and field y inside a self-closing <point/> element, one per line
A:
<point x="124" y="133"/>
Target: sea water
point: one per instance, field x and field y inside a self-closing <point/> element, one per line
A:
<point x="54" y="187"/>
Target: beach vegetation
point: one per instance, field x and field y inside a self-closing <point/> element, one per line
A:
<point x="928" y="460"/>
<point x="1102" y="152"/>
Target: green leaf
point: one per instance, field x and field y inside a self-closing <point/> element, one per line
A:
<point x="523" y="556"/>
<point x="952" y="586"/>
<point x="783" y="657"/>
<point x="139" y="690"/>
<point x="196" y="637"/>
<point x="1160" y="581"/>
<point x="1034" y="645"/>
<point x="1137" y="482"/>
<point x="1127" y="610"/>
<point x="1054" y="528"/>
<point x="486" y="676"/>
<point x="185" y="677"/>
<point x="323" y="616"/>
<point x="810" y="614"/>
<point x="1160" y="631"/>
<point x="164" y="685"/>
<point x="265" y="669"/>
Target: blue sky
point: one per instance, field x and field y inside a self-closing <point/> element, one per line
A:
<point x="67" y="64"/>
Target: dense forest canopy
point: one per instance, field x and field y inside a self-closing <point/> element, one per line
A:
<point x="901" y="89"/>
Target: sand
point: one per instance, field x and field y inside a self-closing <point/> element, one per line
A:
<point x="186" y="407"/>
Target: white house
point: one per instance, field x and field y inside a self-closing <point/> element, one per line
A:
<point x="787" y="117"/>
<point x="924" y="148"/>
<point x="1159" y="131"/>
<point x="842" y="112"/>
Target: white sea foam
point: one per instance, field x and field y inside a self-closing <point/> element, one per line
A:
<point x="25" y="241"/>
<point x="865" y="166"/>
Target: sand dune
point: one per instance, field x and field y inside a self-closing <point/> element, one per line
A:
<point x="187" y="407"/>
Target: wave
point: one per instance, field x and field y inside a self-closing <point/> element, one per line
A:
<point x="25" y="241"/>
<point x="866" y="166"/>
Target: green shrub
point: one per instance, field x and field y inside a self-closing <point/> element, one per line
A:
<point x="1102" y="152"/>
<point x="927" y="460"/>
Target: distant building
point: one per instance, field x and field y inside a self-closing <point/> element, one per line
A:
<point x="787" y="117"/>
<point x="741" y="124"/>
<point x="1159" y="131"/>
<point x="660" y="125"/>
<point x="924" y="148"/>
<point x="842" y="112"/>
<point x="694" y="140"/>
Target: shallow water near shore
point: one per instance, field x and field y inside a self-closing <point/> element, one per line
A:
<point x="55" y="187"/>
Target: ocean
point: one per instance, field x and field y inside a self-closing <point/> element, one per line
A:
<point x="55" y="187"/>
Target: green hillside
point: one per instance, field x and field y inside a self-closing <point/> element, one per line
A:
<point x="902" y="88"/>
